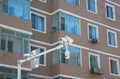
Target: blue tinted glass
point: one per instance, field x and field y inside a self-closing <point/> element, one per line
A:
<point x="18" y="8"/>
<point x="91" y="5"/>
<point x="109" y="12"/>
<point x="39" y="23"/>
<point x="111" y="39"/>
<point x="72" y="24"/>
<point x="74" y="2"/>
<point x="92" y="32"/>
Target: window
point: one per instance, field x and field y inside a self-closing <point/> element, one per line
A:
<point x="38" y="22"/>
<point x="17" y="8"/>
<point x="112" y="38"/>
<point x="42" y="59"/>
<point x="92" y="32"/>
<point x="114" y="66"/>
<point x="74" y="2"/>
<point x="110" y="12"/>
<point x="43" y="1"/>
<point x="92" y="6"/>
<point x="14" y="42"/>
<point x="67" y="23"/>
<point x="10" y="73"/>
<point x="94" y="61"/>
<point x="74" y="60"/>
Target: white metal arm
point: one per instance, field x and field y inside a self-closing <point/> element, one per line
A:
<point x="65" y="41"/>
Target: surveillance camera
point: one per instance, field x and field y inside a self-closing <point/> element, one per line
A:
<point x="70" y="40"/>
<point x="67" y="53"/>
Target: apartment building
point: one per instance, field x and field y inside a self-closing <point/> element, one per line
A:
<point x="26" y="25"/>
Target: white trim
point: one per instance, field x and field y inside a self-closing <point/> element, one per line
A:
<point x="49" y="77"/>
<point x="45" y="21"/>
<point x="98" y="59"/>
<point x="116" y="44"/>
<point x="97" y="51"/>
<point x="36" y="9"/>
<point x="88" y="25"/>
<point x="43" y="1"/>
<point x="78" y="46"/>
<point x="113" y="3"/>
<point x="95" y="7"/>
<point x="113" y="8"/>
<point x="45" y="58"/>
<point x="67" y="76"/>
<point x="107" y="26"/>
<point x="78" y="16"/>
<point x="118" y="67"/>
<point x="40" y="76"/>
<point x="15" y="29"/>
<point x="15" y="67"/>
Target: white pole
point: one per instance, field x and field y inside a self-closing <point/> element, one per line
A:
<point x="19" y="70"/>
<point x="65" y="42"/>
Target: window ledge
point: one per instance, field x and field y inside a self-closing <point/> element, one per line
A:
<point x="39" y="31"/>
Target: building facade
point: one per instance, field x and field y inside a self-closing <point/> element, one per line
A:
<point x="26" y="25"/>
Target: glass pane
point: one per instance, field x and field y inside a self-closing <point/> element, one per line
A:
<point x="3" y="42"/>
<point x="5" y="6"/>
<point x="17" y="8"/>
<point x="42" y="58"/>
<point x="91" y="5"/>
<point x="72" y="24"/>
<point x="111" y="37"/>
<point x="74" y="60"/>
<point x="92" y="32"/>
<point x="94" y="61"/>
<point x="109" y="12"/>
<point x="14" y="45"/>
<point x="55" y="22"/>
<point x="56" y="58"/>
<point x="9" y="73"/>
<point x="26" y="46"/>
<point x="114" y="69"/>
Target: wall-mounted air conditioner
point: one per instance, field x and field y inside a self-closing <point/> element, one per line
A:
<point x="96" y="71"/>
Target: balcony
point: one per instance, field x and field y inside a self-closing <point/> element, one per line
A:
<point x="13" y="21"/>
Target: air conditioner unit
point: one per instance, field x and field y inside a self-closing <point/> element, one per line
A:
<point x="94" y="41"/>
<point x="54" y="29"/>
<point x="96" y="71"/>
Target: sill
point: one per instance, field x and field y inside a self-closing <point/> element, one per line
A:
<point x="118" y="75"/>
<point x="39" y="31"/>
<point x="92" y="11"/>
<point x="111" y="18"/>
<point x="42" y="65"/>
<point x="112" y="46"/>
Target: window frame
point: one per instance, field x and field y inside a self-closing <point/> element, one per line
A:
<point x="118" y="66"/>
<point x="113" y="8"/>
<point x="97" y="32"/>
<point x="98" y="59"/>
<point x="45" y="21"/>
<point x="115" y="33"/>
<point x="74" y="4"/>
<point x="96" y="11"/>
<point x="40" y="47"/>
